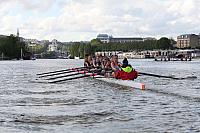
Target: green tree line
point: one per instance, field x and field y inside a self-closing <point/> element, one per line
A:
<point x="80" y="49"/>
<point x="11" y="46"/>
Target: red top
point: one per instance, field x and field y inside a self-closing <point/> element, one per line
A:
<point x="126" y="76"/>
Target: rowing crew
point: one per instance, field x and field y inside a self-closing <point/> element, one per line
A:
<point x="122" y="70"/>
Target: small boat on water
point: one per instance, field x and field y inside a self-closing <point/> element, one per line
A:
<point x="60" y="76"/>
<point x="33" y="58"/>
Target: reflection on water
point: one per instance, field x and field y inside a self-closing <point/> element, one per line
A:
<point x="88" y="105"/>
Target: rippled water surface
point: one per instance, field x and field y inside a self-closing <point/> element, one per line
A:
<point x="88" y="105"/>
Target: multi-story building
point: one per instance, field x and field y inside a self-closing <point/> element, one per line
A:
<point x="106" y="39"/>
<point x="187" y="41"/>
<point x="149" y="38"/>
<point x="55" y="42"/>
<point x="53" y="46"/>
<point x="124" y="40"/>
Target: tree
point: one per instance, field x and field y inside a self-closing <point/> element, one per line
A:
<point x="173" y="42"/>
<point x="82" y="50"/>
<point x="88" y="49"/>
<point x="74" y="50"/>
<point x="96" y="45"/>
<point x="95" y="42"/>
<point x="11" y="47"/>
<point x="164" y="43"/>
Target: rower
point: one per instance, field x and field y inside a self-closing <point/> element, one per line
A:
<point x="115" y="65"/>
<point x="126" y="71"/>
<point x="106" y="66"/>
<point x="88" y="61"/>
<point x="98" y="61"/>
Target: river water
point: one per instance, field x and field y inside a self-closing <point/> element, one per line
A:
<point x="90" y="106"/>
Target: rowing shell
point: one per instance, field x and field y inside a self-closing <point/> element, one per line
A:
<point x="128" y="83"/>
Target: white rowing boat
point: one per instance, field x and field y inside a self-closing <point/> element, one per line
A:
<point x="128" y="83"/>
<point x="62" y="77"/>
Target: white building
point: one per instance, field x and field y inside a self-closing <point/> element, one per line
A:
<point x="54" y="41"/>
<point x="53" y="46"/>
<point x="103" y="38"/>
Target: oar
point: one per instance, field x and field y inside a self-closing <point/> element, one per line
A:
<point x="82" y="72"/>
<point x="60" y="70"/>
<point x="71" y="78"/>
<point x="59" y="73"/>
<point x="163" y="76"/>
<point x="56" y="74"/>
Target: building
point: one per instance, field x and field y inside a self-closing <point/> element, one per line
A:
<point x="3" y="36"/>
<point x="53" y="46"/>
<point x="187" y="41"/>
<point x="125" y="40"/>
<point x="105" y="38"/>
<point x="149" y="38"/>
<point x="55" y="42"/>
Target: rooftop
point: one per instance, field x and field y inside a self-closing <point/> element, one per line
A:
<point x="128" y="38"/>
<point x="102" y="35"/>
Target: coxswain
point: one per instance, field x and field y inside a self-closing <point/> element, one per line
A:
<point x="126" y="71"/>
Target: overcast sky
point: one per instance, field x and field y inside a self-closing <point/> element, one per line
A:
<point x="75" y="20"/>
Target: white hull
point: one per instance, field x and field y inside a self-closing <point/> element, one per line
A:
<point x="128" y="83"/>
